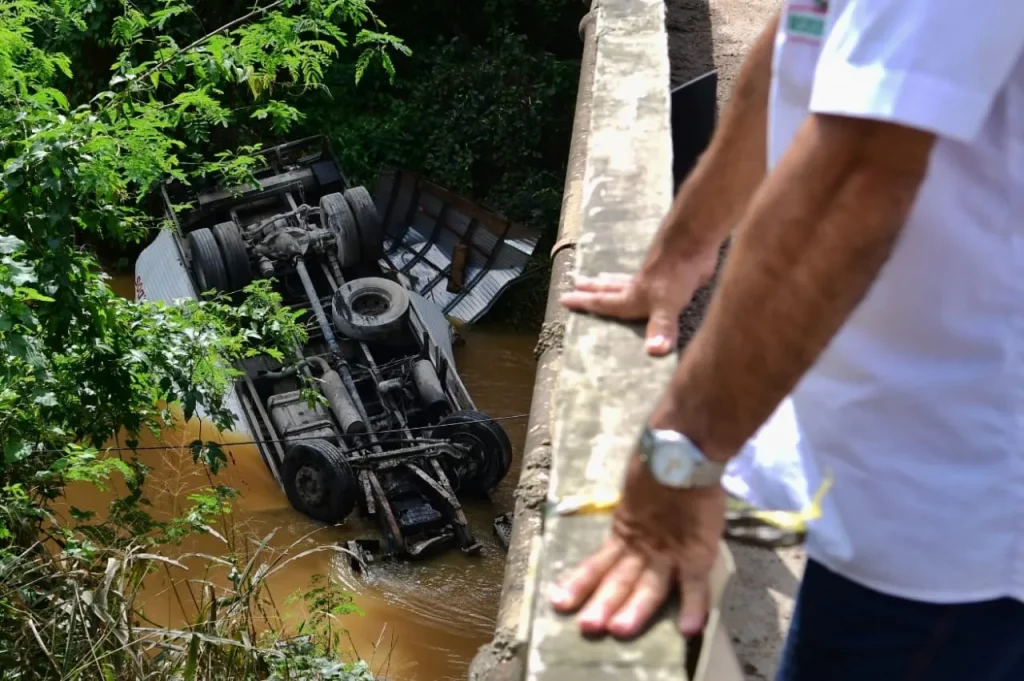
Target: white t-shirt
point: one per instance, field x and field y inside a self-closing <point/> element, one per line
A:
<point x="917" y="406"/>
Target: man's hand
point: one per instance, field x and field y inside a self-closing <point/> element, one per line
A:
<point x="661" y="537"/>
<point x="711" y="201"/>
<point x="659" y="293"/>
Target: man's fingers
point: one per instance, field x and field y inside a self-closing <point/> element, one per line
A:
<point x="662" y="331"/>
<point x="604" y="282"/>
<point x="621" y="304"/>
<point x="581" y="582"/>
<point x="696" y="595"/>
<point x="649" y="593"/>
<point x="616" y="588"/>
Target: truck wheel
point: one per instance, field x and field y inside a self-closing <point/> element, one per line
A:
<point x="371" y="230"/>
<point x="319" y="482"/>
<point x="207" y="261"/>
<point x="236" y="255"/>
<point x="370" y="309"/>
<point x="336" y="216"/>
<point x="489" y="454"/>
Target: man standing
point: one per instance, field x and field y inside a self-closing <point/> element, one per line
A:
<point x="875" y="287"/>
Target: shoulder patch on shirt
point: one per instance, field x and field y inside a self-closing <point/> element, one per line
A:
<point x="805" y="20"/>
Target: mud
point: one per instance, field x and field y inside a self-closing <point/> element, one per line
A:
<point x="552" y="334"/>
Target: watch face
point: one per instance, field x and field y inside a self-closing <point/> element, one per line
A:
<point x="671" y="466"/>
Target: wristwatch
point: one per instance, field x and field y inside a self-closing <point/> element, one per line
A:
<point x="675" y="461"/>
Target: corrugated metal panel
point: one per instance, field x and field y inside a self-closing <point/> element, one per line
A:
<point x="424" y="223"/>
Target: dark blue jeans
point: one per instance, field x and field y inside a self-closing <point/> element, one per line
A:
<point x="842" y="631"/>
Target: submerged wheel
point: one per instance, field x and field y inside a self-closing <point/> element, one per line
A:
<point x="371" y="230"/>
<point x="319" y="482"/>
<point x="489" y="455"/>
<point x="236" y="255"/>
<point x="336" y="215"/>
<point x="370" y="309"/>
<point x="207" y="261"/>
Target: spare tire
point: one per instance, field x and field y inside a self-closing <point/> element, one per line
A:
<point x="207" y="261"/>
<point x="236" y="255"/>
<point x="336" y="216"/>
<point x="489" y="455"/>
<point x="319" y="481"/>
<point x="371" y="229"/>
<point x="370" y="309"/>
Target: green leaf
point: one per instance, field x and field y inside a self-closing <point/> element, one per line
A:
<point x="16" y="450"/>
<point x="10" y="244"/>
<point x="46" y="400"/>
<point x="28" y="293"/>
<point x="192" y="661"/>
<point x="361" y="63"/>
<point x="21" y="273"/>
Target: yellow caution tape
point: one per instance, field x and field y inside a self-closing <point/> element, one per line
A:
<point x="743" y="521"/>
<point x="790" y="521"/>
<point x="581" y="504"/>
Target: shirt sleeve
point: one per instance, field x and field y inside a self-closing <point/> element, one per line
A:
<point x="935" y="65"/>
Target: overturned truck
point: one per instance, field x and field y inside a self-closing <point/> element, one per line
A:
<point x="393" y="430"/>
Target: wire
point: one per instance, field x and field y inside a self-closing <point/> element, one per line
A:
<point x="290" y="440"/>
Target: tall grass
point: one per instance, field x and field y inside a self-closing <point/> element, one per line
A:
<point x="73" y="604"/>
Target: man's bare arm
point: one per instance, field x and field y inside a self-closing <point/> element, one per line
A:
<point x="712" y="199"/>
<point x="684" y="252"/>
<point x="807" y="250"/>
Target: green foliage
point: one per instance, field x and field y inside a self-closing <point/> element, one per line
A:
<point x="73" y="616"/>
<point x="81" y="367"/>
<point x="491" y="120"/>
<point x="484" y="106"/>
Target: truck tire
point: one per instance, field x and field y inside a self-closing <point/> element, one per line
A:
<point x="236" y="255"/>
<point x="370" y="309"/>
<point x="336" y="216"/>
<point x="207" y="261"/>
<point x="371" y="230"/>
<point x="490" y="451"/>
<point x="319" y="481"/>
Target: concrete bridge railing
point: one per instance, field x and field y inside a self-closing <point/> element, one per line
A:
<point x="595" y="383"/>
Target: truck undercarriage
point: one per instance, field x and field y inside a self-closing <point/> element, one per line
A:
<point x="370" y="413"/>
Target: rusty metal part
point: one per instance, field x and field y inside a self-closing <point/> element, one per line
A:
<point x="469" y="543"/>
<point x="318" y="310"/>
<point x="561" y="245"/>
<point x="371" y="503"/>
<point x="391" y="524"/>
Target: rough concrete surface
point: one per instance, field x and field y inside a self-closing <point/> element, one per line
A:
<point x="717" y="34"/>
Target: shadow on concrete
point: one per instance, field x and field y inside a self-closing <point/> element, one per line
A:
<point x="758" y="604"/>
<point x="694" y="108"/>
<point x="690" y="48"/>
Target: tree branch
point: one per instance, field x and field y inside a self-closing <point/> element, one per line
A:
<point x="199" y="41"/>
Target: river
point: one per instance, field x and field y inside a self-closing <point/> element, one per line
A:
<point x="429" y="617"/>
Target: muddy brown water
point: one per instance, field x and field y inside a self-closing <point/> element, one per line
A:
<point x="431" y="615"/>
